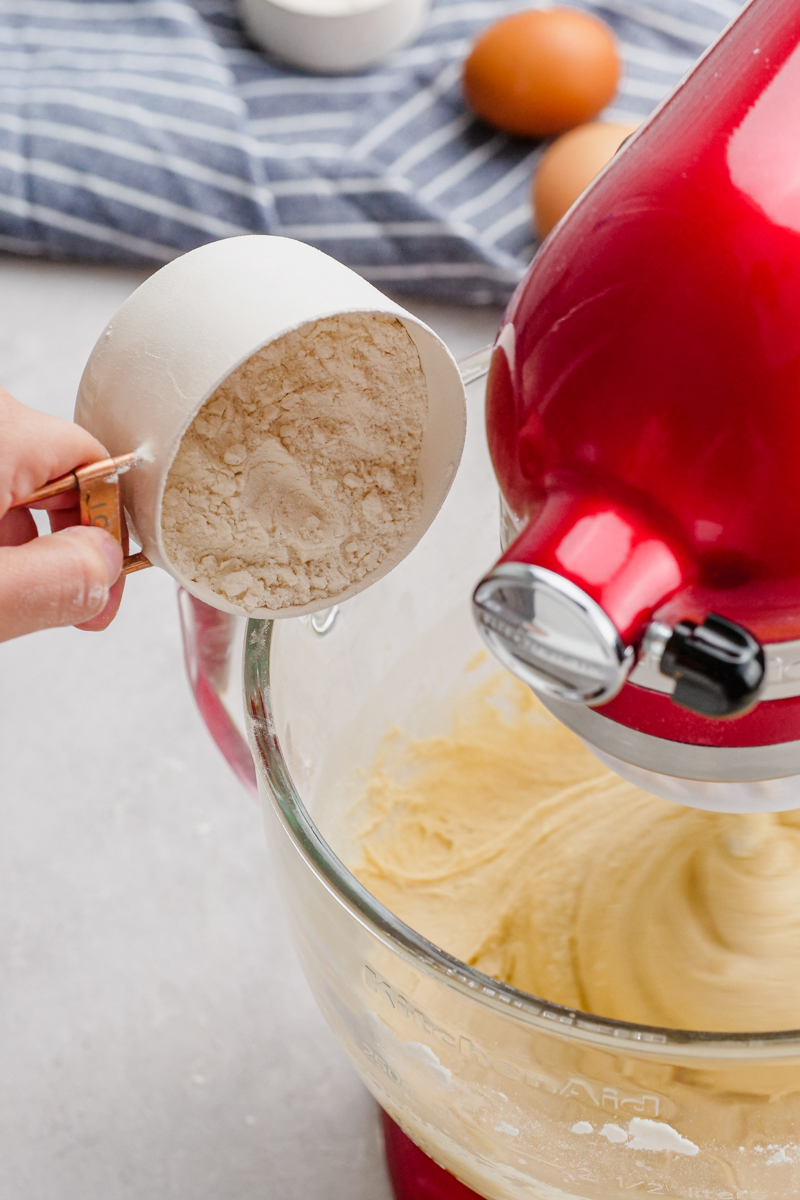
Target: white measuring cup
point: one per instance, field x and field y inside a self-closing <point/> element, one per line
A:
<point x="190" y="325"/>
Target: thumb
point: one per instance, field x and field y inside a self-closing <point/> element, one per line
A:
<point x="60" y="579"/>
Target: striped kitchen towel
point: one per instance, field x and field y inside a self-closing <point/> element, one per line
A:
<point x="133" y="130"/>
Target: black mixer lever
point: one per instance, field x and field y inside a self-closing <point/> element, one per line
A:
<point x="719" y="667"/>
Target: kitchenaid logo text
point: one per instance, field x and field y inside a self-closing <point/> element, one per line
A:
<point x="525" y="638"/>
<point x="585" y="1091"/>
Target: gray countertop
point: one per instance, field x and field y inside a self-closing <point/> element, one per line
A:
<point x="157" y="1037"/>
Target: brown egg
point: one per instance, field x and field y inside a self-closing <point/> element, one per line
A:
<point x="538" y="73"/>
<point x="569" y="166"/>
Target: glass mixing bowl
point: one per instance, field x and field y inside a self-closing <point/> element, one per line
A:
<point x="515" y="1096"/>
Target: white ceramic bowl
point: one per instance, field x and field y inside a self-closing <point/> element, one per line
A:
<point x="332" y="35"/>
<point x="192" y="323"/>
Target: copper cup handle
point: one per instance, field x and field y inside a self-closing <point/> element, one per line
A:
<point x="100" y="500"/>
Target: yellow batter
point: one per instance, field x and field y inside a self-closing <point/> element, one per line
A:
<point x="507" y="844"/>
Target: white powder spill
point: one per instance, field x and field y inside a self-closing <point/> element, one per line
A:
<point x="655" y="1135"/>
<point x="582" y="1127"/>
<point x="299" y="475"/>
<point x="613" y="1133"/>
<point x="644" y="1134"/>
<point x="421" y="1051"/>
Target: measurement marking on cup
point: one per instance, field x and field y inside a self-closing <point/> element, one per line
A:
<point x="369" y="1053"/>
<point x="100" y="517"/>
<point x="590" y="1092"/>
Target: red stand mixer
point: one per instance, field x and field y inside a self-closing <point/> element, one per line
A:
<point x="643" y="410"/>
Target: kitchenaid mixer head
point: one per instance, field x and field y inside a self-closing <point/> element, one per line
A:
<point x="642" y="421"/>
<point x="563" y="645"/>
<point x="561" y="642"/>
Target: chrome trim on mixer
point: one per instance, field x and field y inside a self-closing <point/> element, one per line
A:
<point x="783" y="667"/>
<point x="647" y="673"/>
<point x="706" y="764"/>
<point x="551" y="634"/>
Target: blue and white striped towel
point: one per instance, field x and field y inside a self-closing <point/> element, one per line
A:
<point x="133" y="130"/>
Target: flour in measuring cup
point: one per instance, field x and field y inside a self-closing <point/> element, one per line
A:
<point x="299" y="475"/>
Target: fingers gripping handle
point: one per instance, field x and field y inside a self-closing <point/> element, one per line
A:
<point x="100" y="500"/>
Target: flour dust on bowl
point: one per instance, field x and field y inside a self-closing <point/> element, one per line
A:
<point x="514" y="1096"/>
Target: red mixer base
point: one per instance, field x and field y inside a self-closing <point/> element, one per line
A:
<point x="414" y="1176"/>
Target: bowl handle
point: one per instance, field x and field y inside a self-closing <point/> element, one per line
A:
<point x="210" y="648"/>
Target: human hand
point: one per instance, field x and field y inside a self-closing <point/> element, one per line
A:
<point x="71" y="577"/>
